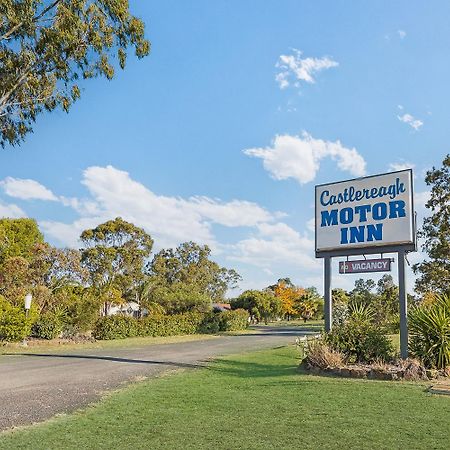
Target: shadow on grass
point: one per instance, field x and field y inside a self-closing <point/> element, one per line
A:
<point x="247" y="369"/>
<point x="113" y="359"/>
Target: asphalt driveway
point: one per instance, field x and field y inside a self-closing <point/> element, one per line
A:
<point x="36" y="386"/>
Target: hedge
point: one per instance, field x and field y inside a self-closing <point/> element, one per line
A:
<point x="233" y="320"/>
<point x="14" y="325"/>
<point x="120" y="327"/>
<point x="48" y="326"/>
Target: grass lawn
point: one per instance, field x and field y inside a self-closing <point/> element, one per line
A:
<point x="250" y="401"/>
<point x="314" y="325"/>
<point x="56" y="346"/>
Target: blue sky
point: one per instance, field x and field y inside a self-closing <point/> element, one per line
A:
<point x="220" y="135"/>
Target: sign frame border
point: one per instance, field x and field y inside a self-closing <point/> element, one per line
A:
<point x="374" y="249"/>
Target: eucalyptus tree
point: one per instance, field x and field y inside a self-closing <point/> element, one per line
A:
<point x="114" y="254"/>
<point x="434" y="273"/>
<point x="48" y="46"/>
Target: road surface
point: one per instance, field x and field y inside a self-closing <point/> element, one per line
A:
<point x="36" y="386"/>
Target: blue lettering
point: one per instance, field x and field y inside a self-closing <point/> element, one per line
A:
<point x="379" y="211"/>
<point x="350" y="194"/>
<point x="329" y="218"/>
<point x="375" y="232"/>
<point x="346" y="215"/>
<point x="362" y="211"/>
<point x="322" y="195"/>
<point x="357" y="234"/>
<point x="344" y="235"/>
<point x="397" y="209"/>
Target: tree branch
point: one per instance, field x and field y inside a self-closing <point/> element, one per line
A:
<point x="9" y="33"/>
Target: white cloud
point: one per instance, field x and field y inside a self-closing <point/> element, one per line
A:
<point x="402" y="165"/>
<point x="420" y="200"/>
<point x="170" y="220"/>
<point x="411" y="121"/>
<point x="294" y="67"/>
<point x="299" y="157"/>
<point x="276" y="244"/>
<point x="26" y="189"/>
<point x="11" y="211"/>
<point x="401" y="33"/>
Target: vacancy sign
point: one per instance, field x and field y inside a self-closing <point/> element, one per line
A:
<point x="365" y="266"/>
<point x="365" y="213"/>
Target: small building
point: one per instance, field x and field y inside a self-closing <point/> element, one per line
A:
<point x="220" y="307"/>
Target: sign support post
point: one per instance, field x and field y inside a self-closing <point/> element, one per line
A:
<point x="328" y="307"/>
<point x="403" y="305"/>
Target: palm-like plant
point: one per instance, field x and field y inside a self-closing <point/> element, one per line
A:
<point x="429" y="328"/>
<point x="361" y="313"/>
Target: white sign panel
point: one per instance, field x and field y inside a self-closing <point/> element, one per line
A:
<point x="365" y="213"/>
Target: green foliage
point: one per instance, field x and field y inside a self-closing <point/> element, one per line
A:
<point x="14" y="325"/>
<point x="171" y="325"/>
<point x="358" y="339"/>
<point x="114" y="254"/>
<point x="189" y="268"/>
<point x="306" y="306"/>
<point x="47" y="46"/>
<point x="116" y="327"/>
<point x="340" y="296"/>
<point x="178" y="298"/>
<point x="119" y="327"/>
<point x="82" y="307"/>
<point x="224" y="321"/>
<point x="48" y="326"/>
<point x="435" y="233"/>
<point x="18" y="238"/>
<point x="210" y="323"/>
<point x="383" y="302"/>
<point x="261" y="305"/>
<point x="429" y="330"/>
<point x="233" y="320"/>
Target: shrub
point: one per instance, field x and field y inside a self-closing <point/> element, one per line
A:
<point x="233" y="320"/>
<point x="429" y="328"/>
<point x="48" y="326"/>
<point x="82" y="308"/>
<point x="119" y="327"/>
<point x="360" y="341"/>
<point x="319" y="354"/>
<point x="14" y="325"/>
<point x="211" y="324"/>
<point x="115" y="327"/>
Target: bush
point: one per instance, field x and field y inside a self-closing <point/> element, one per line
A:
<point x="360" y="341"/>
<point x="48" y="326"/>
<point x="210" y="324"/>
<point x="14" y="325"/>
<point x="233" y="320"/>
<point x="171" y="325"/>
<point x="119" y="327"/>
<point x="115" y="327"/>
<point x="319" y="354"/>
<point x="429" y="329"/>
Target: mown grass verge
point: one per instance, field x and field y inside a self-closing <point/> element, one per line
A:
<point x="56" y="345"/>
<point x="251" y="401"/>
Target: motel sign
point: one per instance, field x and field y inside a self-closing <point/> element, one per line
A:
<point x="366" y="216"/>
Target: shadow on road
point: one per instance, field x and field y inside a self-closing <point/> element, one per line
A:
<point x="111" y="358"/>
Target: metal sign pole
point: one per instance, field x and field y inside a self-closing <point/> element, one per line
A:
<point x="403" y="305"/>
<point x="328" y="307"/>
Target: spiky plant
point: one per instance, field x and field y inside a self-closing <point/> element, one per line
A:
<point x="429" y="328"/>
